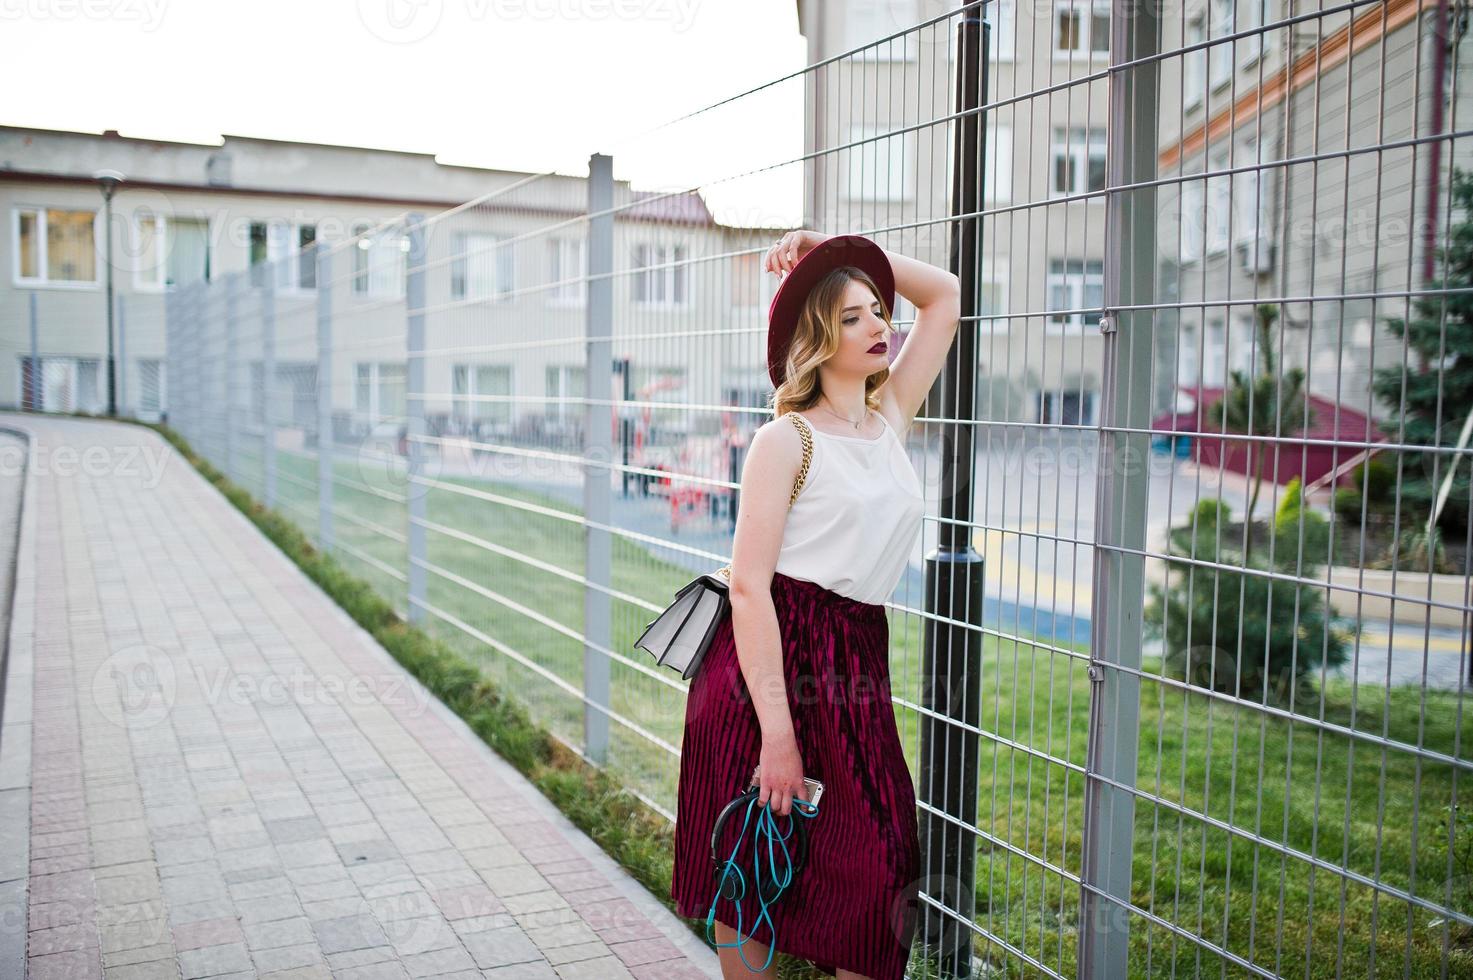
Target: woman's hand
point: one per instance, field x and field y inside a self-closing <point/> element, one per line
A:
<point x="789" y="249"/>
<point x="780" y="774"/>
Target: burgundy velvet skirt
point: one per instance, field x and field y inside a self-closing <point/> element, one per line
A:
<point x="854" y="903"/>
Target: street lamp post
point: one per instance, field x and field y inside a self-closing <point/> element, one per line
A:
<point x="109" y="179"/>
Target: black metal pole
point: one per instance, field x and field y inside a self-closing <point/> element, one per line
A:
<point x="626" y="425"/>
<point x="952" y="652"/>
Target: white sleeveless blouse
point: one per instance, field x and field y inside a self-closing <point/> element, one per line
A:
<point x="857" y="518"/>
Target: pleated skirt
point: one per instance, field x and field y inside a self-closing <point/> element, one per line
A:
<point x="854" y="904"/>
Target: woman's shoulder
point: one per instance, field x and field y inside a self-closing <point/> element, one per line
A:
<point x="777" y="452"/>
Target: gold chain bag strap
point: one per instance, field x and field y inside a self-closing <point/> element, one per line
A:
<point x="678" y="636"/>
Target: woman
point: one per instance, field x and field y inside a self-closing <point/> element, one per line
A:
<point x="796" y="679"/>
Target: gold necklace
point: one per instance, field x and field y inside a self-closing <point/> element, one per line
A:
<point x="846" y="418"/>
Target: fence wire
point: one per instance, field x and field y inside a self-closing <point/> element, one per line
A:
<point x="1213" y="658"/>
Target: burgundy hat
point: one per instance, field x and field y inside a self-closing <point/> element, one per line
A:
<point x="827" y="255"/>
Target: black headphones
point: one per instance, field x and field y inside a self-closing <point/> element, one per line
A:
<point x="729" y="883"/>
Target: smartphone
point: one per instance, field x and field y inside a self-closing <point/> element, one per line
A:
<point x="815" y="788"/>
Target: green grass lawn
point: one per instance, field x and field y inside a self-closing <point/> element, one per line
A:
<point x="1293" y="783"/>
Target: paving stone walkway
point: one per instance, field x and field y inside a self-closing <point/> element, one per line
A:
<point x="208" y="770"/>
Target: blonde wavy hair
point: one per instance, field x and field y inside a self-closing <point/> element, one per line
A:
<point x="816" y="339"/>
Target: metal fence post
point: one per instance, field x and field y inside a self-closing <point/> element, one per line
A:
<point x="122" y="357"/>
<point x="598" y="324"/>
<point x="195" y="379"/>
<point x="414" y="303"/>
<point x="38" y="387"/>
<point x="232" y="400"/>
<point x="951" y="675"/>
<point x="324" y="399"/>
<point x="188" y="369"/>
<point x="268" y="379"/>
<point x="1121" y="496"/>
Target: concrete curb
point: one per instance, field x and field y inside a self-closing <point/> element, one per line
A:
<point x="16" y="670"/>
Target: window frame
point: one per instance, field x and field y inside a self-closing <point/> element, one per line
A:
<point x="869" y="136"/>
<point x="493" y="245"/>
<point x="43" y="281"/>
<point x="677" y="272"/>
<point x="999" y="160"/>
<point x="1220" y="69"/>
<point x="463" y="406"/>
<point x="1194" y="63"/>
<point x="863" y="27"/>
<point x="1086" y="49"/>
<point x="162" y="223"/>
<point x="997" y="271"/>
<point x="561" y="411"/>
<point x="366" y="248"/>
<point x="1217" y="232"/>
<point x="1077" y="283"/>
<point x="285" y="254"/>
<point x="566" y="295"/>
<point x="374" y="415"/>
<point x="1080" y="151"/>
<point x="1192" y="244"/>
<point x="1004" y="30"/>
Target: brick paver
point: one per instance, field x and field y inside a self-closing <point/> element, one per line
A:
<point x="224" y="776"/>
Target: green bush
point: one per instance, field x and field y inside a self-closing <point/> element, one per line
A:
<point x="1238" y="629"/>
<point x="1373" y="481"/>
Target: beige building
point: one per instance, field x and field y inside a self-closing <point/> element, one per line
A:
<point x="1043" y="211"/>
<point x="501" y="271"/>
<point x="1354" y="102"/>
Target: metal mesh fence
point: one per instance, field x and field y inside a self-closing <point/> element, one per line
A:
<point x="1180" y="662"/>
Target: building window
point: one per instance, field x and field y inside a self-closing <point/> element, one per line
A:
<point x="1188" y="357"/>
<point x="1002" y="14"/>
<point x="1192" y="222"/>
<point x="1081" y="28"/>
<point x="1071" y="407"/>
<point x="65" y="384"/>
<point x="1078" y="160"/>
<point x="472" y="383"/>
<point x="1076" y="285"/>
<point x="568" y="267"/>
<point x="878" y="169"/>
<point x="380" y="262"/>
<point x="1194" y="64"/>
<point x="151" y="398"/>
<point x="1219" y="206"/>
<point x="55" y="246"/>
<point x="565" y="381"/>
<point x="1214" y="356"/>
<point x="287" y="248"/>
<point x="997" y="176"/>
<point x="660" y="274"/>
<point x="1255" y="13"/>
<point x="866" y="21"/>
<point x="993" y="310"/>
<point x="483" y="267"/>
<point x="171" y="251"/>
<point x="1221" y="57"/>
<point x="379" y="391"/>
<point x="1250" y="207"/>
<point x="751" y="285"/>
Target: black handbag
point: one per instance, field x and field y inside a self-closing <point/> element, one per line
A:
<point x="680" y="635"/>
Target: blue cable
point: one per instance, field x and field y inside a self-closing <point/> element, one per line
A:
<point x="765" y="833"/>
